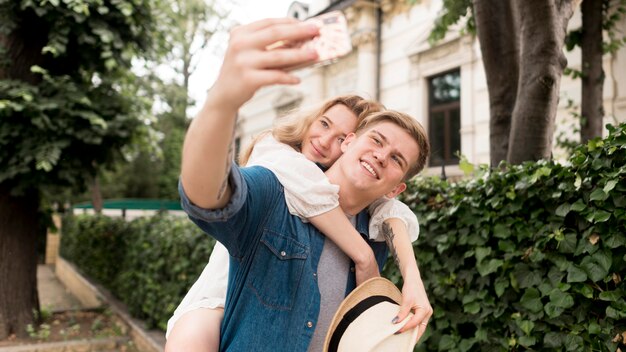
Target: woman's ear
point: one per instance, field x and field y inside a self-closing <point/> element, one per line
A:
<point x="397" y="190"/>
<point x="346" y="142"/>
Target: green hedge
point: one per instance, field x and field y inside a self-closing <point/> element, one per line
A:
<point x="528" y="257"/>
<point x="148" y="263"/>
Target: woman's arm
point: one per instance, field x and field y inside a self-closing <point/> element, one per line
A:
<point x="310" y="196"/>
<point x="414" y="296"/>
<point x="336" y="226"/>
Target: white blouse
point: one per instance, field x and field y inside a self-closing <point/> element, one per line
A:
<point x="308" y="193"/>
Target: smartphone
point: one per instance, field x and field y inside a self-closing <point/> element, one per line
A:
<point x="332" y="43"/>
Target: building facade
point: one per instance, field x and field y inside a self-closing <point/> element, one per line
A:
<point x="443" y="86"/>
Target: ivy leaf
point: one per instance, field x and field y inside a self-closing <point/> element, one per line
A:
<point x="552" y="310"/>
<point x="553" y="340"/>
<point x="575" y="274"/>
<point x="527" y="341"/>
<point x="578" y="206"/>
<point x="611" y="296"/>
<point x="472" y="308"/>
<point x="594" y="328"/>
<point x="614" y="313"/>
<point x="500" y="285"/>
<point x="609" y="186"/>
<point x="481" y="253"/>
<point x="527" y="326"/>
<point x="598" y="194"/>
<point x="573" y="342"/>
<point x="601" y="216"/>
<point x="446" y="342"/>
<point x="568" y="244"/>
<point x="489" y="267"/>
<point x="561" y="299"/>
<point x="563" y="209"/>
<point x="531" y="300"/>
<point x="615" y="240"/>
<point x="594" y="269"/>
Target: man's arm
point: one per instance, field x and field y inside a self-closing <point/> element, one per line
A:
<point x="248" y="66"/>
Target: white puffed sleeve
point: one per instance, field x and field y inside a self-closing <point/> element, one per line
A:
<point x="209" y="291"/>
<point x="307" y="190"/>
<point x="385" y="208"/>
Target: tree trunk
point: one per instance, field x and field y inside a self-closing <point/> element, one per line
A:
<point x="19" y="216"/>
<point x="497" y="26"/>
<point x="19" y="228"/>
<point x="96" y="195"/>
<point x="592" y="73"/>
<point x="542" y="35"/>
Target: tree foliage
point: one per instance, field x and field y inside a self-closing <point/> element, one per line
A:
<point x="82" y="106"/>
<point x="152" y="171"/>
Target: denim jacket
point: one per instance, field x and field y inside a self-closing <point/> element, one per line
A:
<point x="272" y="301"/>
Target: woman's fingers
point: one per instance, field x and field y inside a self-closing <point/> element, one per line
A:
<point x="284" y="58"/>
<point x="268" y="77"/>
<point x="264" y="23"/>
<point x="286" y="32"/>
<point x="420" y="318"/>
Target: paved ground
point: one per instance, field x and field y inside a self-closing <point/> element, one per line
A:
<point x="52" y="294"/>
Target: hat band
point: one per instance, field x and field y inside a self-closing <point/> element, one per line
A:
<point x="351" y="315"/>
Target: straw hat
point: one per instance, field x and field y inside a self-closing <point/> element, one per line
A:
<point x="363" y="321"/>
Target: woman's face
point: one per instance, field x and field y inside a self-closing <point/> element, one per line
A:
<point x="321" y="143"/>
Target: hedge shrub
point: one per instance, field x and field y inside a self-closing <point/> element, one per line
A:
<point x="527" y="257"/>
<point x="149" y="263"/>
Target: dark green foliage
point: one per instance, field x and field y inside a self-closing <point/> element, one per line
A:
<point x="528" y="257"/>
<point x="148" y="263"/>
<point x="96" y="244"/>
<point x="70" y="105"/>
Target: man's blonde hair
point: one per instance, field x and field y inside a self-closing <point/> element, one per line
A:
<point x="292" y="128"/>
<point x="407" y="123"/>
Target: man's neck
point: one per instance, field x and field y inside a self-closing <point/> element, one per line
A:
<point x="349" y="198"/>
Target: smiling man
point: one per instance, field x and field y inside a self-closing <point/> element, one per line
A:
<point x="279" y="265"/>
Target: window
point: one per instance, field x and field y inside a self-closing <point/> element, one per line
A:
<point x="444" y="118"/>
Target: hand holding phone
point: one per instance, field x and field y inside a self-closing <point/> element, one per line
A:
<point x="333" y="41"/>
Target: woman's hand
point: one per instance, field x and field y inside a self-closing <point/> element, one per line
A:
<point x="249" y="64"/>
<point x="415" y="300"/>
<point x="366" y="268"/>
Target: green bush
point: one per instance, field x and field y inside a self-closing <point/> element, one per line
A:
<point x="164" y="257"/>
<point x="95" y="244"/>
<point x="526" y="257"/>
<point x="149" y="263"/>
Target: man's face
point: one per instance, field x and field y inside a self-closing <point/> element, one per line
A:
<point x="322" y="142"/>
<point x="377" y="160"/>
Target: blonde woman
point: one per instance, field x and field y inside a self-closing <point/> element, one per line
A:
<point x="291" y="150"/>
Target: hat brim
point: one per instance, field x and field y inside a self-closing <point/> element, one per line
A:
<point x="377" y="286"/>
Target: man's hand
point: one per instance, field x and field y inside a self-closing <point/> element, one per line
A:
<point x="249" y="64"/>
<point x="414" y="299"/>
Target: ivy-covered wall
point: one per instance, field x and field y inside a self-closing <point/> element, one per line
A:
<point x="528" y="257"/>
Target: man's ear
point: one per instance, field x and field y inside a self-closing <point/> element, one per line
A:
<point x="346" y="142"/>
<point x="397" y="190"/>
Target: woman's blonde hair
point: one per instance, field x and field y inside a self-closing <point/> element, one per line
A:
<point x="292" y="128"/>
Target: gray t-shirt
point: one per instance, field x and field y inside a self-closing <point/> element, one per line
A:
<point x="332" y="276"/>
